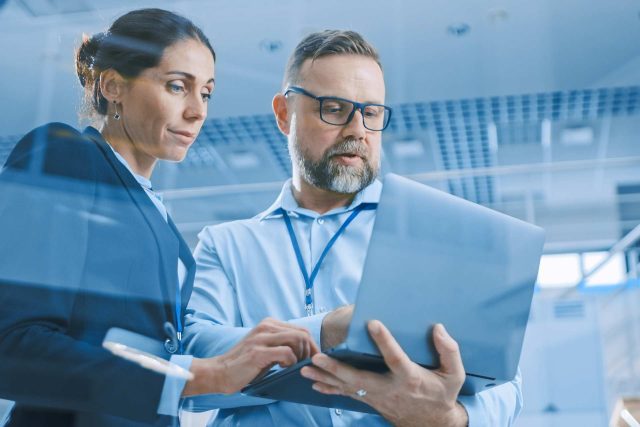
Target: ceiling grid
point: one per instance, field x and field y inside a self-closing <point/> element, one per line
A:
<point x="460" y="128"/>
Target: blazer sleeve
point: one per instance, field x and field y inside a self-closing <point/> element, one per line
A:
<point x="47" y="189"/>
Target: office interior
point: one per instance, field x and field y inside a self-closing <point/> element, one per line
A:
<point x="530" y="108"/>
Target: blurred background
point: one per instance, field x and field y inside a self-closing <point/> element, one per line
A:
<point x="531" y="108"/>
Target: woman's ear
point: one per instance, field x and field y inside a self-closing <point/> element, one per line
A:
<point x="112" y="85"/>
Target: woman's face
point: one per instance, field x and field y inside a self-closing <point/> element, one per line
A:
<point x="163" y="109"/>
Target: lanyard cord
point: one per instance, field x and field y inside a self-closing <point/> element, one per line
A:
<point x="308" y="280"/>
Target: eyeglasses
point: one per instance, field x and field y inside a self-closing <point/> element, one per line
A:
<point x="339" y="111"/>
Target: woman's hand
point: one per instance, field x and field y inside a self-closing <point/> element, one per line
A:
<point x="270" y="342"/>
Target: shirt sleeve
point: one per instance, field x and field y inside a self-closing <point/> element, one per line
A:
<point x="173" y="387"/>
<point x="312" y="323"/>
<point x="499" y="406"/>
<point x="212" y="323"/>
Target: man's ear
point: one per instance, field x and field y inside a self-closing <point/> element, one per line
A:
<point x="112" y="85"/>
<point x="281" y="112"/>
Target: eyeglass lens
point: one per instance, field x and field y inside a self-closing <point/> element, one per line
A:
<point x="337" y="112"/>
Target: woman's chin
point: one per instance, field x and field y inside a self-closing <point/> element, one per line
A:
<point x="175" y="155"/>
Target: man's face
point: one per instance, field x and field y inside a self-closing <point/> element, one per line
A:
<point x="342" y="159"/>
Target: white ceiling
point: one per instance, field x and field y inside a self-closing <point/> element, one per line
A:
<point x="513" y="49"/>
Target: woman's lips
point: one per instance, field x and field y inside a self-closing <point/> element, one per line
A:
<point x="185" y="137"/>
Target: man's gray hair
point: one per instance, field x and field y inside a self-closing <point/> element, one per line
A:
<point x="325" y="43"/>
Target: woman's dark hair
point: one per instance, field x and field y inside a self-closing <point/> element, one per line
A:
<point x="136" y="41"/>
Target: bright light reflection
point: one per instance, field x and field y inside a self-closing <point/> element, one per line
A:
<point x="563" y="270"/>
<point x="559" y="270"/>
<point x="612" y="273"/>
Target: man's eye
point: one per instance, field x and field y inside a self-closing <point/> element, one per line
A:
<point x="206" y="97"/>
<point x="372" y="112"/>
<point x="332" y="108"/>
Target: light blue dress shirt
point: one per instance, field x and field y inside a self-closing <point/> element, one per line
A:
<point x="247" y="270"/>
<point x="173" y="386"/>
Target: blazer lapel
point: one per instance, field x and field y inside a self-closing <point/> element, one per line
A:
<point x="168" y="245"/>
<point x="189" y="263"/>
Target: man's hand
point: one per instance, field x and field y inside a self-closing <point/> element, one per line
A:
<point x="334" y="327"/>
<point x="407" y="395"/>
<point x="270" y="342"/>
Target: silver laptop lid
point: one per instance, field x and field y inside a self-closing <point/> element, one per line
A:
<point x="437" y="258"/>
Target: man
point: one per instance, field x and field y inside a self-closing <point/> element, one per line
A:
<point x="303" y="257"/>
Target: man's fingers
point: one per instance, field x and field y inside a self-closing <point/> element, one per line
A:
<point x="338" y="369"/>
<point x="449" y="352"/>
<point x="354" y="379"/>
<point x="329" y="389"/>
<point x="326" y="389"/>
<point x="321" y="376"/>
<point x="395" y="358"/>
<point x="333" y="377"/>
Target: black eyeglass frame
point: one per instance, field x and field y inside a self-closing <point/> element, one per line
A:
<point x="356" y="106"/>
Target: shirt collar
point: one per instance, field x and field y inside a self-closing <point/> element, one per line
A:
<point x="286" y="201"/>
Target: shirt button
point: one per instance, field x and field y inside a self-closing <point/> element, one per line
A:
<point x="338" y="412"/>
<point x="323" y="309"/>
<point x="320" y="221"/>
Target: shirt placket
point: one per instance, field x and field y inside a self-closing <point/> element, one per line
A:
<point x="318" y="240"/>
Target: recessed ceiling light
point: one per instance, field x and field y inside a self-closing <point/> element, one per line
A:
<point x="243" y="159"/>
<point x="271" y="45"/>
<point x="577" y="135"/>
<point x="497" y="15"/>
<point x="459" y="29"/>
<point x="407" y="149"/>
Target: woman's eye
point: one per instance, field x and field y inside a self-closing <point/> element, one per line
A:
<point x="176" y="88"/>
<point x="206" y="97"/>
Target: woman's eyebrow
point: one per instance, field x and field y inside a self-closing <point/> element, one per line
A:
<point x="188" y="76"/>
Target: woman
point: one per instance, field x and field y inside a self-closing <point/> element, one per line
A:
<point x="88" y="246"/>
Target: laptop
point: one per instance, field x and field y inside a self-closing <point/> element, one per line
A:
<point x="433" y="258"/>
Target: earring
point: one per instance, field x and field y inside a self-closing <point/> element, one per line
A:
<point x="116" y="115"/>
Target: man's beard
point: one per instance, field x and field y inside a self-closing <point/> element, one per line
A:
<point x="328" y="174"/>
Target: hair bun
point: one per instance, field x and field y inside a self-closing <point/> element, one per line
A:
<point x="86" y="55"/>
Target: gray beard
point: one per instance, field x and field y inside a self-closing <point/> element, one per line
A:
<point x="328" y="174"/>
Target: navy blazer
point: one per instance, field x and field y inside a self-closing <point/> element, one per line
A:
<point x="82" y="249"/>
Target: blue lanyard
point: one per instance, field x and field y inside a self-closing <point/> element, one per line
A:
<point x="308" y="280"/>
